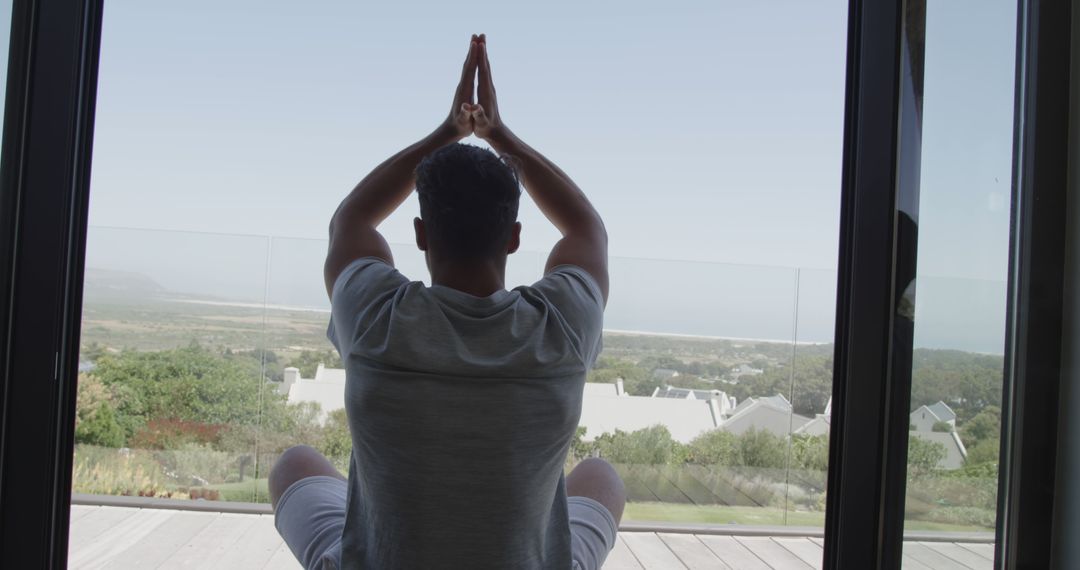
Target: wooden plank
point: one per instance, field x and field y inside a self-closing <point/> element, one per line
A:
<point x="931" y="558"/>
<point x="255" y="546"/>
<point x="162" y="542"/>
<point x="733" y="553"/>
<point x="981" y="548"/>
<point x="692" y="552"/>
<point x="804" y="548"/>
<point x="960" y="554"/>
<point x="772" y="553"/>
<point x="88" y="528"/>
<point x="620" y="557"/>
<point x="122" y="536"/>
<point x="909" y="563"/>
<point x="650" y="551"/>
<point x="283" y="559"/>
<point x="207" y="547"/>
<point x="80" y="511"/>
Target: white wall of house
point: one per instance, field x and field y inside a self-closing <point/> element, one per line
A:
<point x="924" y="419"/>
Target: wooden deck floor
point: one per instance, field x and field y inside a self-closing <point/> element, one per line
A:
<point x="141" y="538"/>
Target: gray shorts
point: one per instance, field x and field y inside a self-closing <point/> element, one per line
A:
<point x="310" y="516"/>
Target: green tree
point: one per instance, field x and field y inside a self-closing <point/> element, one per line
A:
<point x="761" y="448"/>
<point x="579" y="449"/>
<point x="100" y="429"/>
<point x="336" y="441"/>
<point x="715" y="447"/>
<point x="309" y="360"/>
<point x="984" y="426"/>
<point x="190" y="384"/>
<point x="650" y="446"/>
<point x="924" y="456"/>
<point x="983" y="452"/>
<point x="810" y="452"/>
<point x="637" y="381"/>
<point x="812" y="383"/>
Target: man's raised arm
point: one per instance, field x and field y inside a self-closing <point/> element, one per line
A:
<point x="584" y="241"/>
<point x="352" y="228"/>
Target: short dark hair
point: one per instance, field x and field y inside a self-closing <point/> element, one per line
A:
<point x="469" y="200"/>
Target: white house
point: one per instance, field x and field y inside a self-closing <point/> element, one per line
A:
<point x="605" y="409"/>
<point x="327" y="389"/>
<point x="924" y="417"/>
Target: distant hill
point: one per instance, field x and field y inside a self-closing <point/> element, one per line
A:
<point x="111" y="285"/>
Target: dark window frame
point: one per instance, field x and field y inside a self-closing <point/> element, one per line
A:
<point x="1033" y="349"/>
<point x="44" y="191"/>
<point x="864" y="516"/>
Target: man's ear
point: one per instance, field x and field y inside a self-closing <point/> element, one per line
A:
<point x="421" y="234"/>
<point x="515" y="239"/>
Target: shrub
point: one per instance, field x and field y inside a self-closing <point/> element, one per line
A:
<point x="100" y="428"/>
<point x="173" y="433"/>
<point x="715" y="447"/>
<point x="336" y="440"/>
<point x="942" y="427"/>
<point x="810" y="452"/>
<point x="923" y="456"/>
<point x="106" y="471"/>
<point x="761" y="448"/>
<point x="195" y="464"/>
<point x="649" y="446"/>
<point x="983" y="452"/>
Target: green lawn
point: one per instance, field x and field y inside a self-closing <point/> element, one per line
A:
<point x="248" y="491"/>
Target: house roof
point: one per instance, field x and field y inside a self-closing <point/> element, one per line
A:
<point x="772" y="413"/>
<point x="600" y="389"/>
<point x="323" y="374"/>
<point x="816" y="426"/>
<point x="675" y="392"/>
<point x="942" y="411"/>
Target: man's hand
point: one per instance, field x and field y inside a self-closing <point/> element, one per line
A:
<point x="485" y="115"/>
<point x="584" y="241"/>
<point x="460" y="121"/>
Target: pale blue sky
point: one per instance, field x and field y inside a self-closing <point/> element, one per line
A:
<point x="706" y="131"/>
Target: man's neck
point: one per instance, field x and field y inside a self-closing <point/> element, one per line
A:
<point x="479" y="279"/>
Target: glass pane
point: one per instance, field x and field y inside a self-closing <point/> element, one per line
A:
<point x="690" y="398"/>
<point x="171" y="364"/>
<point x="5" y="44"/>
<point x="232" y="131"/>
<point x="963" y="226"/>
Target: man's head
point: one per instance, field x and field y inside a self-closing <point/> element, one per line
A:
<point x="468" y="205"/>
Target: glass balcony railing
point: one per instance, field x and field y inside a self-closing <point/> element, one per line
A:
<point x="204" y="356"/>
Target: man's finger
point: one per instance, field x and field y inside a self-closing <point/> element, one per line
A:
<point x="479" y="116"/>
<point x="486" y="87"/>
<point x="468" y="72"/>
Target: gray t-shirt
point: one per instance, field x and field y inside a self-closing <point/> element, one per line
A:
<point x="461" y="411"/>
